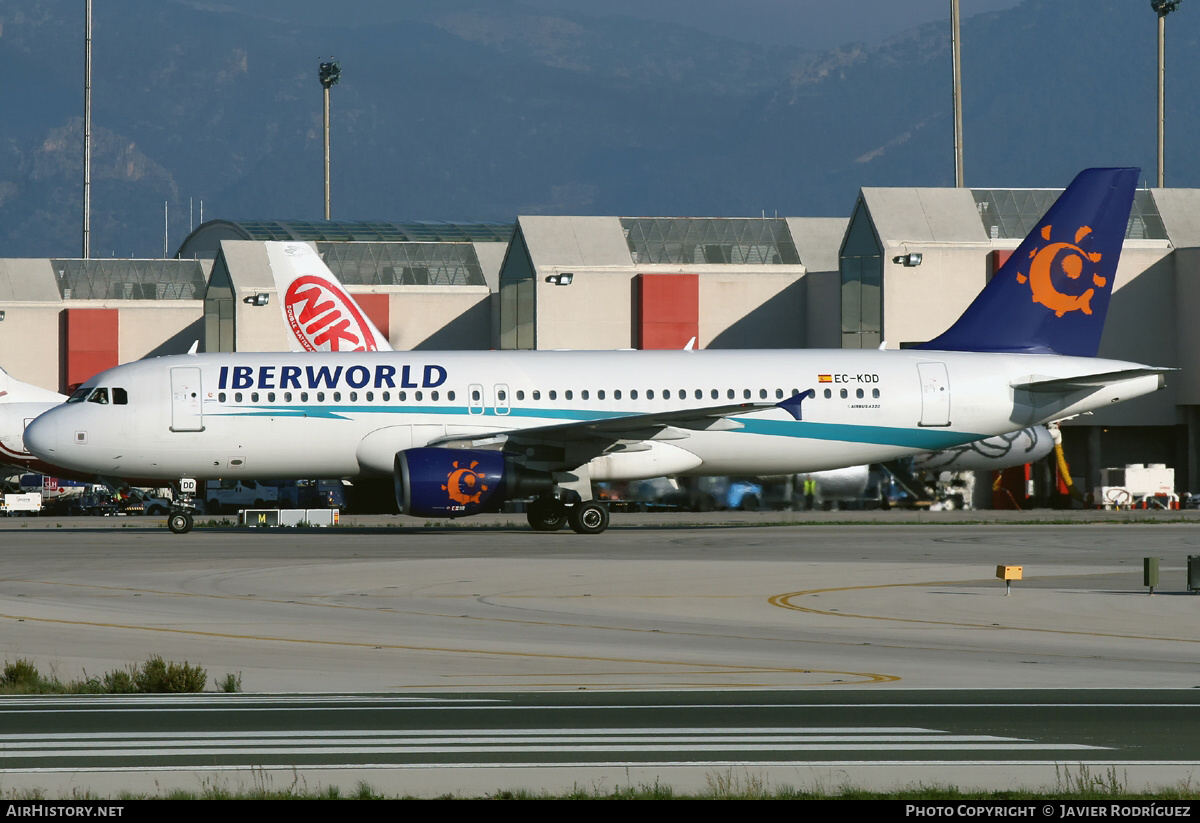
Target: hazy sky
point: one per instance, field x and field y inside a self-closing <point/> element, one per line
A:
<point x="809" y="24"/>
<point x="814" y="25"/>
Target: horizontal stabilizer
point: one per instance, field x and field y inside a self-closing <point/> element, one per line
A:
<point x="1084" y="382"/>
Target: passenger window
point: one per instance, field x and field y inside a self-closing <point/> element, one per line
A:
<point x="779" y="394"/>
<point x="537" y="394"/>
<point x="434" y="396"/>
<point x="859" y="394"/>
<point x="387" y="396"/>
<point x="353" y="396"/>
<point x="303" y="397"/>
<point x="715" y="394"/>
<point x="844" y="394"/>
<point x="337" y="397"/>
<point x="584" y="394"/>
<point x="828" y="393"/>
<point x="270" y="397"/>
<point x="649" y="394"/>
<point x="745" y="394"/>
<point x="370" y="396"/>
<point x="220" y="397"/>
<point x="616" y="394"/>
<point x="450" y="395"/>
<point x="287" y="397"/>
<point x="570" y="394"/>
<point x="633" y="394"/>
<point x="762" y="394"/>
<point x="553" y="394"/>
<point x="520" y="394"/>
<point x="475" y="395"/>
<point x="253" y="397"/>
<point x="402" y="396"/>
<point x="600" y="393"/>
<point x="419" y="396"/>
<point x="875" y="393"/>
<point x="320" y="397"/>
<point x="730" y="394"/>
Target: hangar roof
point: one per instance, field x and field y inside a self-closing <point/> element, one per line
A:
<point x="1180" y="213"/>
<point x="912" y="215"/>
<point x="565" y="241"/>
<point x="206" y="239"/>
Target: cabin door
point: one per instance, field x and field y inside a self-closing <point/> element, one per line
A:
<point x="935" y="394"/>
<point x="186" y="414"/>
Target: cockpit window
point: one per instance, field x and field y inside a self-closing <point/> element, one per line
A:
<point x="98" y="396"/>
<point x="120" y="398"/>
<point x="79" y="396"/>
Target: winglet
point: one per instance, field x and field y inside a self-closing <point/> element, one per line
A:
<point x="1052" y="294"/>
<point x="792" y="404"/>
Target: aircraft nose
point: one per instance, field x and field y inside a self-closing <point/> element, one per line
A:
<point x="41" y="437"/>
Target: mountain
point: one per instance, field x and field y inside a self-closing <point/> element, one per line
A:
<point x="485" y="109"/>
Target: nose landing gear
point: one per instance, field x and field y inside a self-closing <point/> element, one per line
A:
<point x="179" y="521"/>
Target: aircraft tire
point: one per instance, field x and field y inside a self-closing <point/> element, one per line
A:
<point x="588" y="518"/>
<point x="546" y="515"/>
<point x="180" y="522"/>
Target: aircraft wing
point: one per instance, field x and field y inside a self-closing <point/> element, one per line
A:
<point x="1084" y="382"/>
<point x="572" y="444"/>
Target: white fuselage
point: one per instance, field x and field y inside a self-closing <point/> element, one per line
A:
<point x="280" y="415"/>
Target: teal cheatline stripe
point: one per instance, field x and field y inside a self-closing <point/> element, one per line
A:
<point x="931" y="439"/>
<point x="913" y="438"/>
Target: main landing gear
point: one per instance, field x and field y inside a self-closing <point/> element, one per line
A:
<point x="548" y="514"/>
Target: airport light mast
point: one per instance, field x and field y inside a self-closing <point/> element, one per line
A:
<point x="329" y="72"/>
<point x="956" y="60"/>
<point x="1162" y="8"/>
<point x="87" y="132"/>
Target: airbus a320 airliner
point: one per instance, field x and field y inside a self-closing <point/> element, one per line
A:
<point x="462" y="432"/>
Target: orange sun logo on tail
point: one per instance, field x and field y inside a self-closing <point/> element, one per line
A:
<point x="1041" y="268"/>
<point x="465" y="485"/>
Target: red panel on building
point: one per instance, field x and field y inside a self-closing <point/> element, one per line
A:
<point x="378" y="310"/>
<point x="91" y="343"/>
<point x="668" y="310"/>
<point x="999" y="258"/>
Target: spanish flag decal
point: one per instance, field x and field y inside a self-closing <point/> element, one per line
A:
<point x="824" y="378"/>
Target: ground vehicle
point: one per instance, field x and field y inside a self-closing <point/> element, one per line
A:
<point x="14" y="504"/>
<point x="231" y="495"/>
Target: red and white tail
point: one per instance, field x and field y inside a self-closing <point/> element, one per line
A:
<point x="318" y="312"/>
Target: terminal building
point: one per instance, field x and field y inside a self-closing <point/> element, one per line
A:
<point x="899" y="270"/>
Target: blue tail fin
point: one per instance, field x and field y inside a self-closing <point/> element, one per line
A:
<point x="1052" y="294"/>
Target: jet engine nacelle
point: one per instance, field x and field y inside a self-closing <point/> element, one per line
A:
<point x="438" y="482"/>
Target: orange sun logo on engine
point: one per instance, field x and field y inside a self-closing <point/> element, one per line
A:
<point x="1041" y="269"/>
<point x="464" y="485"/>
